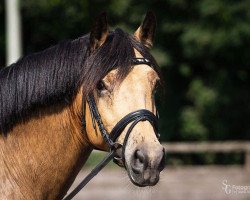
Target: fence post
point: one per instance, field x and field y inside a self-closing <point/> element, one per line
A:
<point x="13" y="31"/>
<point x="247" y="160"/>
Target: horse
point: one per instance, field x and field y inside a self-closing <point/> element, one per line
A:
<point x="47" y="127"/>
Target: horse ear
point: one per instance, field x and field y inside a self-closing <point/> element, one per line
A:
<point x="99" y="32"/>
<point x="145" y="33"/>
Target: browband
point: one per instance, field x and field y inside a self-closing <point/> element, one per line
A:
<point x="140" y="61"/>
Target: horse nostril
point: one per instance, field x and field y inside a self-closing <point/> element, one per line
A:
<point x="139" y="156"/>
<point x="139" y="162"/>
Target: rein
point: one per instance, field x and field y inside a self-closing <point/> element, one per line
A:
<point x="110" y="138"/>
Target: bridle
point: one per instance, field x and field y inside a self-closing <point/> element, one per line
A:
<point x="110" y="138"/>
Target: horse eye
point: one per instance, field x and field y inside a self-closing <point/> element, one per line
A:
<point x="101" y="86"/>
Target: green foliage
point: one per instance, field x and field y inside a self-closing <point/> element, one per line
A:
<point x="208" y="76"/>
<point x="202" y="46"/>
<point x="191" y="125"/>
<point x="95" y="158"/>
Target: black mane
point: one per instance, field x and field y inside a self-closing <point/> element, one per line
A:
<point x="55" y="75"/>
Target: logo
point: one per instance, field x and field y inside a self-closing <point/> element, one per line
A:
<point x="235" y="189"/>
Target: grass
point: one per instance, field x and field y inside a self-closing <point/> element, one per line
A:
<point x="96" y="157"/>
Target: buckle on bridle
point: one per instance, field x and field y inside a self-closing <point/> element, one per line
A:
<point x="117" y="159"/>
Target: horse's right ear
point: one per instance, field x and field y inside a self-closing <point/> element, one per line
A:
<point x="146" y="32"/>
<point x="99" y="32"/>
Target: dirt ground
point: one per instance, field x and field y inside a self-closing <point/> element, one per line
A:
<point x="187" y="183"/>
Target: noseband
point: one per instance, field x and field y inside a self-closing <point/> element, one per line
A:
<point x="110" y="138"/>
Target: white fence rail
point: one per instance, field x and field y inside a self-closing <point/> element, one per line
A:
<point x="213" y="147"/>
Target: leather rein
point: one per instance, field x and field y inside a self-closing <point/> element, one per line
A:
<point x="110" y="138"/>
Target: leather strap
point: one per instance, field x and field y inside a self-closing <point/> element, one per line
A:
<point x="140" y="61"/>
<point x="97" y="117"/>
<point x="93" y="173"/>
<point x="142" y="114"/>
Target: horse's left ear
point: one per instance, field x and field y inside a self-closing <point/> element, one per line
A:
<point x="145" y="33"/>
<point x="99" y="32"/>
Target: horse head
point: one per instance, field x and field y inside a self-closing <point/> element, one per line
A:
<point x="117" y="94"/>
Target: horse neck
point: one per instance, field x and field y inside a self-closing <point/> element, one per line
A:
<point x="41" y="157"/>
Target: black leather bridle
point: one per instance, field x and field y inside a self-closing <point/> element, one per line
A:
<point x="110" y="138"/>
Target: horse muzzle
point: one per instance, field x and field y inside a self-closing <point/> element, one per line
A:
<point x="144" y="164"/>
<point x="144" y="168"/>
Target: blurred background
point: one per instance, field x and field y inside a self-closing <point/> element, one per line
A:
<point x="203" y="48"/>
